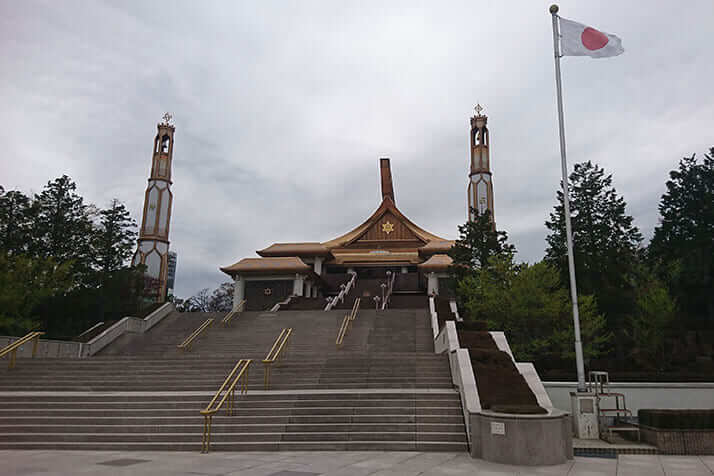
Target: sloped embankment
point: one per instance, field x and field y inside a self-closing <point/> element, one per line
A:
<point x="501" y="386"/>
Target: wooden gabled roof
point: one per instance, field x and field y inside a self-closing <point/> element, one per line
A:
<point x="267" y="265"/>
<point x="295" y="249"/>
<point x="387" y="208"/>
<point x="437" y="262"/>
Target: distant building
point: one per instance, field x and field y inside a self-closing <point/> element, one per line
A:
<point x="172" y="273"/>
<point x="386" y="244"/>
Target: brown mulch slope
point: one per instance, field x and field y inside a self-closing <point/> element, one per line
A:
<point x="500" y="386"/>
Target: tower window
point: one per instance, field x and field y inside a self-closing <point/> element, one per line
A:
<point x="165" y="144"/>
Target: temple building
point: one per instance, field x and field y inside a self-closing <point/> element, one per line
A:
<point x="386" y="244"/>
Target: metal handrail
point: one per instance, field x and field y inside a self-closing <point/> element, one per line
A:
<point x="229" y="385"/>
<point x="226" y="322"/>
<point x="275" y="354"/>
<point x="355" y="309"/>
<point x="188" y="342"/>
<point x="347" y="322"/>
<point x="343" y="330"/>
<point x="390" y="288"/>
<point x="344" y="290"/>
<point x="12" y="348"/>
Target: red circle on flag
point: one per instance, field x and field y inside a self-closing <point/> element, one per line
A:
<point x="593" y="39"/>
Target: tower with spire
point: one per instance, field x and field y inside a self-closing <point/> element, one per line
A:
<point x="480" y="190"/>
<point x="153" y="247"/>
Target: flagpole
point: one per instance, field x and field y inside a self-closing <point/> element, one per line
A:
<point x="566" y="206"/>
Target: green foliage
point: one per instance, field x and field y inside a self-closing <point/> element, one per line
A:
<point x="24" y="284"/>
<point x="654" y="317"/>
<point x="683" y="244"/>
<point x="17" y="217"/>
<point x="63" y="227"/>
<point x="64" y="262"/>
<point x="605" y="245"/>
<point x="114" y="238"/>
<point x="530" y="304"/>
<point x="478" y="242"/>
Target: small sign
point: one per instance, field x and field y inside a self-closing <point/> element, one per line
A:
<point x="498" y="428"/>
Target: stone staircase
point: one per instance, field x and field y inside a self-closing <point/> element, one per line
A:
<point x="384" y="389"/>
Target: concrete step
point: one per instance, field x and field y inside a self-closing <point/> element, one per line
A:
<point x="241" y="420"/>
<point x="142" y="394"/>
<point x="244" y="446"/>
<point x="228" y="427"/>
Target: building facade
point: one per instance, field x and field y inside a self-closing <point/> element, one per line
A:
<point x="385" y="244"/>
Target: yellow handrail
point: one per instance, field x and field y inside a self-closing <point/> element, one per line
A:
<point x="355" y="309"/>
<point x="229" y="385"/>
<point x="12" y="348"/>
<point x="188" y="342"/>
<point x="226" y="322"/>
<point x="347" y="322"/>
<point x="276" y="353"/>
<point x="343" y="330"/>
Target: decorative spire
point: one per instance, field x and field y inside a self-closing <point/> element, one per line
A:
<point x="386" y="176"/>
<point x="478" y="110"/>
<point x="168" y="120"/>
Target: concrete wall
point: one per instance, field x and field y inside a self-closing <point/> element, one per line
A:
<point x="529" y="440"/>
<point x="526" y="439"/>
<point x="644" y="395"/>
<point x="127" y="324"/>
<point x="46" y="348"/>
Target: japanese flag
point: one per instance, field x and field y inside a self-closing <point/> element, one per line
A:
<point x="577" y="39"/>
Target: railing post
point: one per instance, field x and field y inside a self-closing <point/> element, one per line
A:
<point x="35" y="343"/>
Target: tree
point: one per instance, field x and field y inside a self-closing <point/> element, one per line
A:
<point x="114" y="238"/>
<point x="63" y="228"/>
<point x="654" y="317"/>
<point x="220" y="300"/>
<point x="17" y="215"/>
<point x="24" y="284"/>
<point x="683" y="242"/>
<point x="478" y="241"/>
<point x="605" y="244"/>
<point x="530" y="304"/>
<point x="199" y="302"/>
<point x="56" y="236"/>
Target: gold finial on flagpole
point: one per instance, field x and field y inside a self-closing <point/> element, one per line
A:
<point x="554" y="9"/>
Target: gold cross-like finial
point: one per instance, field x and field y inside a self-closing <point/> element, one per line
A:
<point x="478" y="109"/>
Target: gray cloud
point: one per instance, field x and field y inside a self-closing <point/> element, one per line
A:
<point x="283" y="108"/>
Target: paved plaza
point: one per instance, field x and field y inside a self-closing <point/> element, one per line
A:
<point x="374" y="463"/>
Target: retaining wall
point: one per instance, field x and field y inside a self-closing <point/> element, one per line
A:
<point x="644" y="395"/>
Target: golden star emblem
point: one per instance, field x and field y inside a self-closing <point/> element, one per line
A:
<point x="387" y="227"/>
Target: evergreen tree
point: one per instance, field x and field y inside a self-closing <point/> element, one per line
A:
<point x="683" y="242"/>
<point x="478" y="241"/>
<point x="64" y="262"/>
<point x="63" y="228"/>
<point x="531" y="305"/>
<point x="25" y="283"/>
<point x="114" y="238"/>
<point x="17" y="215"/>
<point x="605" y="244"/>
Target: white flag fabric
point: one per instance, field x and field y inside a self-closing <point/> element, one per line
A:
<point x="577" y="39"/>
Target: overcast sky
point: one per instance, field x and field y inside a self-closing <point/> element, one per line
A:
<point x="282" y="110"/>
